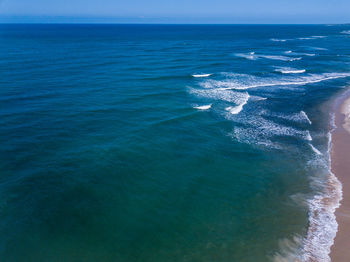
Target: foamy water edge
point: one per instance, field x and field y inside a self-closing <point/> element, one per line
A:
<point x="323" y="226"/>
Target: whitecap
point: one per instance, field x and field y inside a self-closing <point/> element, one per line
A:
<point x="254" y="56"/>
<point x="293" y="71"/>
<point x="300" y="117"/>
<point x="201" y="75"/>
<point x="299" y="53"/>
<point x="304" y="115"/>
<point x="278" y="40"/>
<point x="279" y="57"/>
<point x="234" y="110"/>
<point x="317" y="48"/>
<point x="289" y="70"/>
<point x="319" y="36"/>
<point x="312" y="37"/>
<point x="243" y="81"/>
<point x="308" y="136"/>
<point x="258" y="128"/>
<point x="204" y="107"/>
<point x="307" y="54"/>
<point x="249" y="56"/>
<point x="257" y="98"/>
<point x="315" y="149"/>
<point x="347" y="32"/>
<point x="221" y="94"/>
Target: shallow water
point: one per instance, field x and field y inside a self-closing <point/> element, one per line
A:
<point x="167" y="142"/>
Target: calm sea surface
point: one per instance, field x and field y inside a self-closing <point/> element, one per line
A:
<point x="168" y="143"/>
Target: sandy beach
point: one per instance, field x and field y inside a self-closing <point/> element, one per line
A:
<point x="340" y="251"/>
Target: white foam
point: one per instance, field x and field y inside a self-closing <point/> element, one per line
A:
<point x="322" y="221"/>
<point x="249" y="136"/>
<point x="279" y="57"/>
<point x="306" y="117"/>
<point x="204" y="107"/>
<point x="307" y="54"/>
<point x="258" y="98"/>
<point x="289" y="70"/>
<point x="319" y="36"/>
<point x="254" y="56"/>
<point x="222" y="95"/>
<point x="243" y="81"/>
<point x="258" y="129"/>
<point x="312" y="37"/>
<point x="303" y="54"/>
<point x="308" y="136"/>
<point x="201" y="75"/>
<point x="347" y="32"/>
<point x="300" y="117"/>
<point x="234" y="110"/>
<point x="322" y="228"/>
<point x="278" y="40"/>
<point x="298" y="53"/>
<point x="333" y="125"/>
<point x="249" y="56"/>
<point x="315" y="149"/>
<point x="305" y="38"/>
<point x="293" y="71"/>
<point x="317" y="48"/>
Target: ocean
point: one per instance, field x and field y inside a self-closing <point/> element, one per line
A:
<point x="168" y="143"/>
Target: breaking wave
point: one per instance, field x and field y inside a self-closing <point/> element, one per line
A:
<point x="322" y="221"/>
<point x="289" y="70"/>
<point x="201" y="75"/>
<point x="204" y="107"/>
<point x="278" y="40"/>
<point x="315" y="150"/>
<point x="254" y="56"/>
<point x="243" y="81"/>
<point x="236" y="109"/>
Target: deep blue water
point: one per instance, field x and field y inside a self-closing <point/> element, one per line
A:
<point x="167" y="142"/>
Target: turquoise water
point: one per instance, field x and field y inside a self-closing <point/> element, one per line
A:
<point x="168" y="142"/>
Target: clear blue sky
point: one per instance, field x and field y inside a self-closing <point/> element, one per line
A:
<point x="176" y="11"/>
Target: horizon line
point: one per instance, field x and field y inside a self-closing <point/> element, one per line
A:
<point x="160" y="23"/>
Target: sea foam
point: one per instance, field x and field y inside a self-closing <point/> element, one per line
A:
<point x="322" y="221"/>
<point x="315" y="150"/>
<point x="254" y="56"/>
<point x="289" y="70"/>
<point x="204" y="107"/>
<point x="236" y="109"/>
<point x="322" y="228"/>
<point x="312" y="37"/>
<point x="257" y="129"/>
<point x="201" y="75"/>
<point x="278" y="40"/>
<point x="244" y="81"/>
<point x="289" y="52"/>
<point x="304" y="115"/>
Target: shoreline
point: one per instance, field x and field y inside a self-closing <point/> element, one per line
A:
<point x="340" y="167"/>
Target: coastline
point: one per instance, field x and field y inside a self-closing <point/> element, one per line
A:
<point x="340" y="166"/>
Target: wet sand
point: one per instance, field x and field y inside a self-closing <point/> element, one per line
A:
<point x="340" y="155"/>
